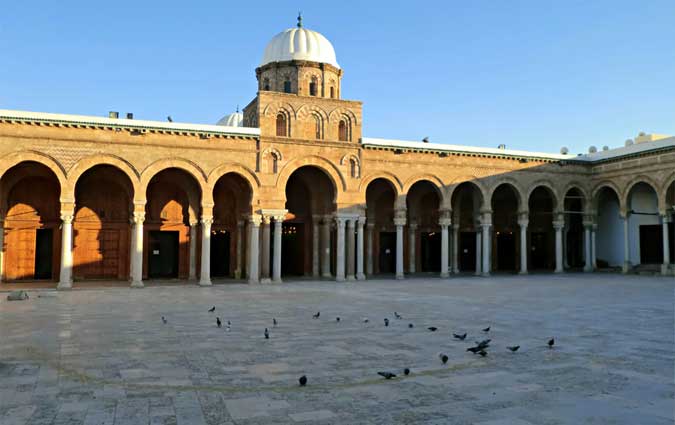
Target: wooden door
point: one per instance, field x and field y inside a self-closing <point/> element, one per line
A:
<point x="19" y="254"/>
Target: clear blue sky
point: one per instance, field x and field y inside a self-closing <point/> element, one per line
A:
<point x="535" y="75"/>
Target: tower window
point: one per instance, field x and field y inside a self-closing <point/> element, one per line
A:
<point x="332" y="92"/>
<point x="343" y="131"/>
<point x="317" y="126"/>
<point x="281" y="125"/>
<point x="287" y="86"/>
<point x="266" y="84"/>
<point x="313" y="86"/>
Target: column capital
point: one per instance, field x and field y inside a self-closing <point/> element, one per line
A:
<point x="67" y="218"/>
<point x="341" y="221"/>
<point x="254" y="219"/>
<point x="138" y="217"/>
<point x="412" y="225"/>
<point x="455" y="227"/>
<point x="624" y="214"/>
<point x="443" y="222"/>
<point x="594" y="227"/>
<point x="399" y="221"/>
<point x="558" y="225"/>
<point x="266" y="219"/>
<point x="523" y="222"/>
<point x="351" y="221"/>
<point x="240" y="223"/>
<point x="206" y="220"/>
<point x="665" y="216"/>
<point x="370" y="224"/>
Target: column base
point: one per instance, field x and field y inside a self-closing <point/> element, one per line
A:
<point x="665" y="269"/>
<point x="205" y="283"/>
<point x="253" y="281"/>
<point x="588" y="269"/>
<point x="327" y="276"/>
<point x="360" y="276"/>
<point x="625" y="268"/>
<point x="445" y="274"/>
<point x="351" y="278"/>
<point x="558" y="271"/>
<point x="275" y="281"/>
<point x="400" y="277"/>
<point x="523" y="272"/>
<point x="455" y="271"/>
<point x="237" y="274"/>
<point x="64" y="285"/>
<point x="339" y="279"/>
<point x="265" y="280"/>
<point x="486" y="274"/>
<point x="137" y="284"/>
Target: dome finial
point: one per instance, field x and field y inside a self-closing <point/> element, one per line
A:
<point x="299" y="19"/>
<point x="237" y="108"/>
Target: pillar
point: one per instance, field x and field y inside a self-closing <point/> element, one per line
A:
<point x="486" y="248"/>
<point x="247" y="249"/>
<point x="412" y="243"/>
<point x="340" y="254"/>
<point x="205" y="275"/>
<point x="351" y="245"/>
<point x="66" y="275"/>
<point x="359" y="249"/>
<point x="399" y="222"/>
<point x="276" y="261"/>
<point x="455" y="248"/>
<point x="479" y="251"/>
<point x="193" y="250"/>
<point x="594" y="252"/>
<point x="325" y="247"/>
<point x="665" y="267"/>
<point x="626" y="248"/>
<point x="136" y="265"/>
<point x="558" y="226"/>
<point x="444" y="247"/>
<point x="265" y="250"/>
<point x="239" y="243"/>
<point x="316" y="249"/>
<point x="253" y="249"/>
<point x="588" y="258"/>
<point x="2" y="246"/>
<point x="369" y="249"/>
<point x="523" y="222"/>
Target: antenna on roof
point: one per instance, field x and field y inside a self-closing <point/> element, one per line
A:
<point x="237" y="108"/>
<point x="299" y="19"/>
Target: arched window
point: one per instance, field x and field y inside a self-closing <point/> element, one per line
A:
<point x="354" y="171"/>
<point x="318" y="127"/>
<point x="282" y="125"/>
<point x="266" y="84"/>
<point x="343" y="131"/>
<point x="313" y="86"/>
<point x="332" y="92"/>
<point x="287" y="86"/>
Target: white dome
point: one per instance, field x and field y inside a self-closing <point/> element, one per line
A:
<point x="299" y="44"/>
<point x="235" y="119"/>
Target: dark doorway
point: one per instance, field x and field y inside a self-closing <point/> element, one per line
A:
<point x="43" y="253"/>
<point x="575" y="250"/>
<point x="220" y="253"/>
<point x="467" y="251"/>
<point x="387" y="252"/>
<point x="651" y="244"/>
<point x="506" y="251"/>
<point x="292" y="249"/>
<point x="431" y="252"/>
<point x="163" y="261"/>
<point x="539" y="255"/>
<point x="671" y="241"/>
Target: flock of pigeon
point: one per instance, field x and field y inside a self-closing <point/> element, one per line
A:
<point x="480" y="347"/>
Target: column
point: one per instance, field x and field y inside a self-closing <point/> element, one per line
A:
<point x="276" y="266"/>
<point x="444" y="248"/>
<point x="588" y="266"/>
<point x="558" y="226"/>
<point x="665" y="267"/>
<point x="66" y="275"/>
<point x="205" y="275"/>
<point x="479" y="251"/>
<point x="351" y="245"/>
<point x="399" y="222"/>
<point x="2" y="246"/>
<point x="193" y="250"/>
<point x="137" y="251"/>
<point x="253" y="249"/>
<point x="486" y="248"/>
<point x="265" y="251"/>
<point x="359" y="249"/>
<point x="239" y="243"/>
<point x="594" y="253"/>
<point x="325" y="247"/>
<point x="412" y="241"/>
<point x="315" y="246"/>
<point x="626" y="248"/>
<point x="247" y="250"/>
<point x="523" y="222"/>
<point x="340" y="254"/>
<point x="455" y="248"/>
<point x="565" y="247"/>
<point x="369" y="249"/>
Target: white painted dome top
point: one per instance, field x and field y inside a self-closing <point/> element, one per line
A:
<point x="235" y="119"/>
<point x="299" y="44"/>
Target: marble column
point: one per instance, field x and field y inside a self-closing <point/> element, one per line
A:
<point x="455" y="248"/>
<point x="558" y="226"/>
<point x="276" y="261"/>
<point x="523" y="222"/>
<point x="359" y="249"/>
<point x="486" y="248"/>
<point x="316" y="249"/>
<point x="136" y="265"/>
<point x="205" y="275"/>
<point x="2" y="248"/>
<point x="253" y="249"/>
<point x="594" y="252"/>
<point x="325" y="247"/>
<point x="351" y="245"/>
<point x="479" y="252"/>
<point x="444" y="248"/>
<point x="626" y="247"/>
<point x="369" y="249"/>
<point x="265" y="250"/>
<point x="66" y="275"/>
<point x="412" y="243"/>
<point x="239" y="243"/>
<point x="193" y="250"/>
<point x="247" y="249"/>
<point x="588" y="257"/>
<point x="340" y="254"/>
<point x="399" y="222"/>
<point x="665" y="267"/>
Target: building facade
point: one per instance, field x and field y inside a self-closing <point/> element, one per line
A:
<point x="290" y="187"/>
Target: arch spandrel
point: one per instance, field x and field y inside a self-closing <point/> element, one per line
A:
<point x="189" y="167"/>
<point x="16" y="158"/>
<point x="332" y="170"/>
<point x="625" y="197"/>
<point x="244" y="172"/>
<point x="551" y="190"/>
<point x="89" y="162"/>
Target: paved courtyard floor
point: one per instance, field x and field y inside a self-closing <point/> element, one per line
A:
<point x="104" y="356"/>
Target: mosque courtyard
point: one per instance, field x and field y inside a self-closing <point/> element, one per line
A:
<point x="104" y="356"/>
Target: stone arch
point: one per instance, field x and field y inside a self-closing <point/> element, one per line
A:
<point x="189" y="167"/>
<point x="333" y="172"/>
<point x="670" y="180"/>
<point x="15" y="158"/>
<point x="482" y="190"/>
<point x="596" y="191"/>
<point x="352" y="164"/>
<point x="89" y="162"/>
<point x="244" y="172"/>
<point x="275" y="107"/>
<point x="584" y="193"/>
<point x="517" y="189"/>
<point x="393" y="180"/>
<point x="646" y="180"/>
<point x="551" y="189"/>
<point x="305" y="110"/>
<point x="277" y="158"/>
<point x="335" y="114"/>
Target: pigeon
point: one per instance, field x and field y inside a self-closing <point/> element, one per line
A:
<point x="551" y="342"/>
<point x="212" y="309"/>
<point x="410" y="325"/>
<point x="303" y="380"/>
<point x="337" y="319"/>
<point x="228" y="328"/>
<point x="164" y="320"/>
<point x="169" y="118"/>
<point x="229" y="323"/>
<point x="316" y="316"/>
<point x="274" y="321"/>
<point x="486" y="329"/>
<point x="432" y="328"/>
<point x="398" y="316"/>
<point x="482" y="353"/>
<point x="386" y="322"/>
<point x="218" y="322"/>
<point x="387" y="375"/>
<point x="267" y="334"/>
<point x="444" y="358"/>
<point x="406" y="371"/>
<point x="460" y="337"/>
<point x="484" y="343"/>
<point x="365" y="320"/>
<point x="474" y="350"/>
<point x="514" y="348"/>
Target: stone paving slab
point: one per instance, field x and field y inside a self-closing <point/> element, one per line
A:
<point x="103" y="356"/>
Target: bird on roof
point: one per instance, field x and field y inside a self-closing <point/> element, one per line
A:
<point x="169" y="118"/>
<point x="426" y="139"/>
